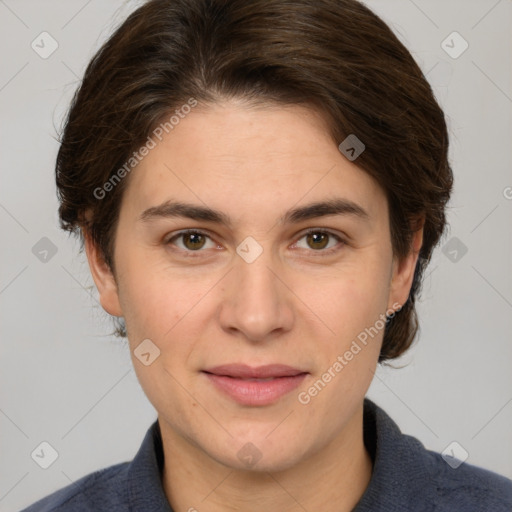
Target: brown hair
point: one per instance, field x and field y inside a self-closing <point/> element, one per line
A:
<point x="333" y="54"/>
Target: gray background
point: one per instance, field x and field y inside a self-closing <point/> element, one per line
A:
<point x="64" y="380"/>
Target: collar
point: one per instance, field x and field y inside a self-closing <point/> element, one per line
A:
<point x="399" y="469"/>
<point x="145" y="489"/>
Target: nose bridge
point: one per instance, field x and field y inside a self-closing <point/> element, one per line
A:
<point x="255" y="278"/>
<point x="256" y="303"/>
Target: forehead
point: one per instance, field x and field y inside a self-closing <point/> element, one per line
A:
<point x="243" y="160"/>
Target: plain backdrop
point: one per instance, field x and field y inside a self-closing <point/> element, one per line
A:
<point x="66" y="381"/>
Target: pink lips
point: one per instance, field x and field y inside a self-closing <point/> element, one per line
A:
<point x="261" y="385"/>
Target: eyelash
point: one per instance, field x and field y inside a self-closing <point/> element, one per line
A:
<point x="320" y="252"/>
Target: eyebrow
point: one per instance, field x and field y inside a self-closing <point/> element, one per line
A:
<point x="170" y="209"/>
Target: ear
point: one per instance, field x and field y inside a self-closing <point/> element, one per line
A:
<point x="103" y="277"/>
<point x="403" y="269"/>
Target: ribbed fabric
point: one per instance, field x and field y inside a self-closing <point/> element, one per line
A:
<point x="409" y="478"/>
<point x="406" y="478"/>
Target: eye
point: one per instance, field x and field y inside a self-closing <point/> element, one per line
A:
<point x="320" y="241"/>
<point x="193" y="240"/>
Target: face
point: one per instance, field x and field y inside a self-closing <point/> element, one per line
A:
<point x="261" y="278"/>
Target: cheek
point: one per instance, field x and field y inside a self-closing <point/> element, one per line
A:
<point x="350" y="300"/>
<point x="162" y="304"/>
<point x="142" y="292"/>
<point x="346" y="360"/>
<point x="352" y="306"/>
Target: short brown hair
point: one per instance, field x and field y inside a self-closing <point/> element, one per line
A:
<point x="335" y="55"/>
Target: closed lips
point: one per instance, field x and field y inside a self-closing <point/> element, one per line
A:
<point x="245" y="372"/>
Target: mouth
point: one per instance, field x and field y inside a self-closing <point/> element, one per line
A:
<point x="244" y="372"/>
<point x="255" y="386"/>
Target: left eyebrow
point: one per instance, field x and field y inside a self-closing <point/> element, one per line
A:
<point x="337" y="206"/>
<point x="324" y="208"/>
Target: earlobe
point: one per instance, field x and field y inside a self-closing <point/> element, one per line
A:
<point x="103" y="277"/>
<point x="403" y="271"/>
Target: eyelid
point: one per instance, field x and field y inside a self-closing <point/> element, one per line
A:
<point x="207" y="234"/>
<point x="341" y="240"/>
<point x="173" y="236"/>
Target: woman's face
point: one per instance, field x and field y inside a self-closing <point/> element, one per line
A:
<point x="252" y="288"/>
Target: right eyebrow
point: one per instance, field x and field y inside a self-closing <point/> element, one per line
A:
<point x="337" y="206"/>
<point x="190" y="211"/>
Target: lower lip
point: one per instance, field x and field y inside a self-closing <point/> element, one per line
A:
<point x="253" y="392"/>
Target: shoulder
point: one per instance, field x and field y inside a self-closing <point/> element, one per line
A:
<point x="134" y="485"/>
<point x="100" y="490"/>
<point x="408" y="476"/>
<point x="466" y="487"/>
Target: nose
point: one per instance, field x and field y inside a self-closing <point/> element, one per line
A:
<point x="257" y="304"/>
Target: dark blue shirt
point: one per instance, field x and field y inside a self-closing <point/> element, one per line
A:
<point x="406" y="478"/>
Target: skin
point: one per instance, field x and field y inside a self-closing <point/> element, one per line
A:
<point x="292" y="305"/>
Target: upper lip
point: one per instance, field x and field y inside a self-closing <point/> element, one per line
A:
<point x="242" y="371"/>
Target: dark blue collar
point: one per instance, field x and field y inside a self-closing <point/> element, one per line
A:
<point x="399" y="467"/>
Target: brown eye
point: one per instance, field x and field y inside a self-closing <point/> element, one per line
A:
<point x="322" y="242"/>
<point x="193" y="241"/>
<point x="317" y="240"/>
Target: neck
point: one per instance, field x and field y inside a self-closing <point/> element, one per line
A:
<point x="332" y="480"/>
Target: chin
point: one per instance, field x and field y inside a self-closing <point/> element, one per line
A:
<point x="259" y="456"/>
